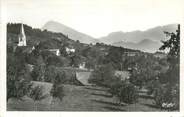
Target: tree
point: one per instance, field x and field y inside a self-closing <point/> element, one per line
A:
<point x="115" y="57"/>
<point x="102" y="75"/>
<point x="127" y="93"/>
<point x="37" y="94"/>
<point x="115" y="85"/>
<point x="173" y="44"/>
<point x="57" y="91"/>
<point x="18" y="77"/>
<point x="50" y="73"/>
<point x="124" y="91"/>
<point x="166" y="95"/>
<point x="75" y="60"/>
<point x="38" y="72"/>
<point x="54" y="60"/>
<point x="35" y="73"/>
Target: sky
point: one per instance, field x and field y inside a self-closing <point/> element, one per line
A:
<point x="96" y="18"/>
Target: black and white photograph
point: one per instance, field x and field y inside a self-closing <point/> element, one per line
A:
<point x="93" y="55"/>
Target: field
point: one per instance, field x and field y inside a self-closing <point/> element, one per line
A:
<point x="81" y="98"/>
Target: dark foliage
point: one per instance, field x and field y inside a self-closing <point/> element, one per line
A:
<point x="173" y="43"/>
<point x="57" y="91"/>
<point x="127" y="93"/>
<point x="36" y="93"/>
<point x="18" y="77"/>
<point x="102" y="75"/>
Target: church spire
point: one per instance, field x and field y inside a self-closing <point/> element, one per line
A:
<point x="22" y="37"/>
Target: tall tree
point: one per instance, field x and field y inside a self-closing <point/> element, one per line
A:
<point x="173" y="45"/>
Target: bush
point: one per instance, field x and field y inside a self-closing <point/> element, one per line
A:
<point x="50" y="73"/>
<point x="36" y="94"/>
<point x="54" y="60"/>
<point x="60" y="78"/>
<point x="102" y="75"/>
<point x="57" y="91"/>
<point x="114" y="87"/>
<point x="127" y="93"/>
<point x="17" y="87"/>
<point x="124" y="91"/>
<point x="166" y="95"/>
<point x="35" y="73"/>
<point x="152" y="86"/>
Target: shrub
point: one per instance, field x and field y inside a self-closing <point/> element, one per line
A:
<point x="50" y="73"/>
<point x="60" y="78"/>
<point x="35" y="73"/>
<point x="17" y="87"/>
<point x="124" y="91"/>
<point x="102" y="75"/>
<point x="152" y="85"/>
<point x="114" y="87"/>
<point x="167" y="95"/>
<point x="54" y="60"/>
<point x="127" y="93"/>
<point x="37" y="94"/>
<point x="57" y="91"/>
<point x="38" y="73"/>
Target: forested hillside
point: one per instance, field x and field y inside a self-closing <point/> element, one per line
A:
<point x="89" y="53"/>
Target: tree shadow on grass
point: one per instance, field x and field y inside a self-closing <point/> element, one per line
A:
<point x="113" y="108"/>
<point x="140" y="91"/>
<point x="108" y="103"/>
<point x="96" y="89"/>
<point x="103" y="95"/>
<point x="145" y="96"/>
<point x="151" y="106"/>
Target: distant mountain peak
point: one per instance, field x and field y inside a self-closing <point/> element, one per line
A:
<point x="73" y="34"/>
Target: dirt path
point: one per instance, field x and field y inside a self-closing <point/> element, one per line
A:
<point x="83" y="77"/>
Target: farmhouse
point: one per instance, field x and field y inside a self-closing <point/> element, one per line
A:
<point x="82" y="65"/>
<point x="131" y="53"/>
<point x="69" y="50"/>
<point x="55" y="51"/>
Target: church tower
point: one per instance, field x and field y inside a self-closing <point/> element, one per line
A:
<point x="22" y="37"/>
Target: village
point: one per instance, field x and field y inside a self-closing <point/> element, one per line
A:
<point x="56" y="73"/>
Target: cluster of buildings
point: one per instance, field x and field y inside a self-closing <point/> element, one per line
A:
<point x="22" y="42"/>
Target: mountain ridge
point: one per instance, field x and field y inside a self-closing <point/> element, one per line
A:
<point x="70" y="32"/>
<point x="145" y="45"/>
<point x="155" y="33"/>
<point x="148" y="40"/>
